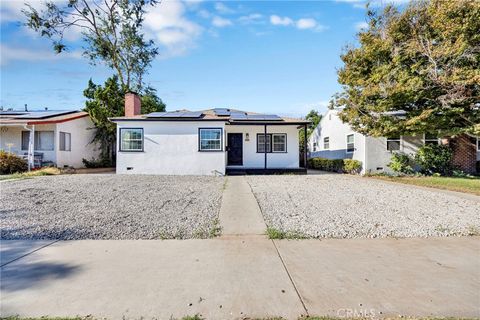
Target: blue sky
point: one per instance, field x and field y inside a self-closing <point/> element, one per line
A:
<point x="270" y="56"/>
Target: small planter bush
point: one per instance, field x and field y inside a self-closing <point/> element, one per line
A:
<point x="435" y="159"/>
<point x="11" y="163"/>
<point x="335" y="165"/>
<point x="97" y="163"/>
<point x="401" y="163"/>
<point x="352" y="166"/>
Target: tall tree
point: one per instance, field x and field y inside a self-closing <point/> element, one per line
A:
<point x="315" y="118"/>
<point x="111" y="33"/>
<point x="108" y="101"/>
<point x="416" y="70"/>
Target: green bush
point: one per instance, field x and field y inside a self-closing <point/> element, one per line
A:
<point x="352" y="166"/>
<point x="97" y="163"/>
<point x="401" y="163"/>
<point x="11" y="163"/>
<point x="335" y="165"/>
<point x="435" y="159"/>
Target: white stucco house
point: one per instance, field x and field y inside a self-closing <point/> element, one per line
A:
<point x="58" y="138"/>
<point x="206" y="142"/>
<point x="333" y="139"/>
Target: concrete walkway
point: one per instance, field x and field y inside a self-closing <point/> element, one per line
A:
<point x="239" y="213"/>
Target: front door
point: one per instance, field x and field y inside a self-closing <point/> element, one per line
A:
<point x="235" y="149"/>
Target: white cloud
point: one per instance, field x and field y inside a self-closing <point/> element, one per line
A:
<point x="221" y="22"/>
<point x="301" y="24"/>
<point x="280" y="21"/>
<point x="251" y="18"/>
<point x="359" y="26"/>
<point x="9" y="54"/>
<point x="222" y="8"/>
<point x="204" y="14"/>
<point x="167" y="24"/>
<point x="306" y="23"/>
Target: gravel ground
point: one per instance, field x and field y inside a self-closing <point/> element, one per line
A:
<point x="339" y="206"/>
<point x="110" y="207"/>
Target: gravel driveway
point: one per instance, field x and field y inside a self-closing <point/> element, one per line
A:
<point x="110" y="207"/>
<point x="341" y="206"/>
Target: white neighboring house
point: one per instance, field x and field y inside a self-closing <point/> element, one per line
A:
<point x="207" y="142"/>
<point x="59" y="138"/>
<point x="333" y="139"/>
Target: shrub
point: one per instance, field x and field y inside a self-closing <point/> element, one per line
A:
<point x="352" y="166"/>
<point x="335" y="165"/>
<point x="435" y="159"/>
<point x="11" y="163"/>
<point x="401" y="163"/>
<point x="97" y="163"/>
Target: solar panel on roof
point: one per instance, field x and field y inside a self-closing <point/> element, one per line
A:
<point x="222" y="111"/>
<point x="175" y="114"/>
<point x="256" y="117"/>
<point x="43" y="114"/>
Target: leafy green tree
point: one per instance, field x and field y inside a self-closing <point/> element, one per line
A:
<point x="315" y="118"/>
<point x="111" y="33"/>
<point x="108" y="101"/>
<point x="423" y="61"/>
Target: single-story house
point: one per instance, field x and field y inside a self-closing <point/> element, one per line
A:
<point x="206" y="142"/>
<point x="333" y="139"/>
<point x="58" y="138"/>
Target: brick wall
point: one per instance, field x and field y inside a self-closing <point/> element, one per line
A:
<point x="464" y="153"/>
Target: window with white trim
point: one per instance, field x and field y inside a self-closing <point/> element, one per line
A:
<point x="43" y="140"/>
<point x="210" y="139"/>
<point x="430" y="139"/>
<point x="314" y="146"/>
<point x="261" y="143"/>
<point x="131" y="139"/>
<point x="326" y="143"/>
<point x="350" y="143"/>
<point x="65" y="141"/>
<point x="393" y="143"/>
<point x="279" y="142"/>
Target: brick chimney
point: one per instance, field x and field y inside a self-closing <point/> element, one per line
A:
<point x="132" y="104"/>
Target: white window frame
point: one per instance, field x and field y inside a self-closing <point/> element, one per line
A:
<point x="399" y="143"/>
<point x="346" y="140"/>
<point x="66" y="147"/>
<point x="284" y="144"/>
<point x="270" y="142"/>
<point x="220" y="140"/>
<point x="121" y="149"/>
<point x="425" y="140"/>
<point x="327" y="148"/>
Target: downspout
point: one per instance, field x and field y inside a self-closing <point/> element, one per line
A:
<point x="31" y="146"/>
<point x="265" y="139"/>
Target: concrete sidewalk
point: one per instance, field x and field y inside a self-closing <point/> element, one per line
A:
<point x="240" y="213"/>
<point x="237" y="277"/>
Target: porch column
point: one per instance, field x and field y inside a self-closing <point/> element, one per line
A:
<point x="305" y="147"/>
<point x="31" y="148"/>
<point x="265" y="147"/>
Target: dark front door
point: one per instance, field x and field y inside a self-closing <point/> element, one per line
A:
<point x="235" y="149"/>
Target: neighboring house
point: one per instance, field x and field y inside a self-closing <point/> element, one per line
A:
<point x="208" y="142"/>
<point x="333" y="139"/>
<point x="59" y="138"/>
